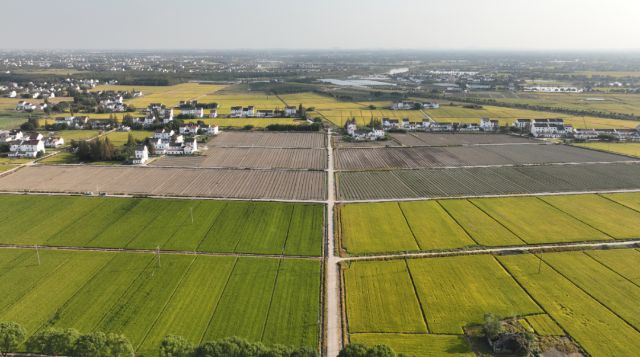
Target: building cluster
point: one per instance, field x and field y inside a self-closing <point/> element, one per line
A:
<point x="194" y="109"/>
<point x="155" y="113"/>
<point x="24" y="106"/>
<point x="407" y="105"/>
<point x="542" y="89"/>
<point x="168" y="142"/>
<point x="251" y="112"/>
<point x="28" y="145"/>
<point x="557" y="129"/>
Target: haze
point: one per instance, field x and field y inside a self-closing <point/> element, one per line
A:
<point x="347" y="24"/>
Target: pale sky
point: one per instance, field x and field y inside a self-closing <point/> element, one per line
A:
<point x="321" y="24"/>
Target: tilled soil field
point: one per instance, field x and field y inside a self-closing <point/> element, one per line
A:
<point x="428" y="157"/>
<point x="486" y="181"/>
<point x="214" y="183"/>
<point x="254" y="158"/>
<point x="442" y="139"/>
<point x="268" y="139"/>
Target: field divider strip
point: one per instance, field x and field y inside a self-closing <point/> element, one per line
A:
<point x="286" y="238"/>
<point x="213" y="223"/>
<point x="589" y="294"/>
<point x="617" y="202"/>
<point x="273" y="292"/>
<point x="611" y="269"/>
<point x="124" y="292"/>
<point x="415" y="291"/>
<point x="406" y="220"/>
<point x="169" y="299"/>
<point x="497" y="221"/>
<point x="458" y="223"/>
<point x="215" y="309"/>
<point x="154" y="252"/>
<point x="577" y="219"/>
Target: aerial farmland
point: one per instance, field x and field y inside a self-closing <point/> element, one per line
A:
<point x="255" y="203"/>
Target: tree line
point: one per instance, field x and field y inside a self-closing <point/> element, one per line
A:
<point x="69" y="342"/>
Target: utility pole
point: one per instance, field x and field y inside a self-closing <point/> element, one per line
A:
<point x="191" y="209"/>
<point x="539" y="264"/>
<point x="158" y="256"/>
<point x="38" y="254"/>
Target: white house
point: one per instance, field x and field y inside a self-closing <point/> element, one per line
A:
<point x="430" y="105"/>
<point x="163" y="134"/>
<point x="390" y="123"/>
<point x="141" y="155"/>
<point x="436" y="126"/>
<point x="213" y="113"/>
<point x="521" y="123"/>
<point x="290" y="111"/>
<point x="548" y="128"/>
<point x="12" y="94"/>
<point x="236" y="112"/>
<point x="26" y="148"/>
<point x="487" y="124"/>
<point x="265" y="113"/>
<point x="195" y="112"/>
<point x="23" y="106"/>
<point x="403" y="105"/>
<point x="248" y="112"/>
<point x="54" y="142"/>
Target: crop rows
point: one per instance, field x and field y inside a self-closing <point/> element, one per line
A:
<point x="367" y="228"/>
<point x="257" y="158"/>
<point x="427" y="157"/>
<point x="444" y="139"/>
<point x="209" y="226"/>
<point x="485" y="181"/>
<point x="146" y="299"/>
<point x="409" y="304"/>
<point x="219" y="183"/>
<point x="265" y="139"/>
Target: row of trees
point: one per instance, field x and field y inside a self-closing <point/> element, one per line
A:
<point x="69" y="342"/>
<point x="102" y="149"/>
<point x="63" y="342"/>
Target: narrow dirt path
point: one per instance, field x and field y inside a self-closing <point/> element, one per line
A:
<point x="332" y="296"/>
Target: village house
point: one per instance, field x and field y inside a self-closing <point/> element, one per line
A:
<point x="487" y="124"/>
<point x="548" y="128"/>
<point x="439" y="127"/>
<point x="141" y="155"/>
<point x="163" y="134"/>
<point x="236" y="112"/>
<point x="265" y="113"/>
<point x="390" y="123"/>
<point x="53" y="142"/>
<point x="28" y="148"/>
<point x="248" y="112"/>
<point x="403" y="105"/>
<point x="521" y="123"/>
<point x="290" y="111"/>
<point x="469" y="128"/>
<point x="193" y="112"/>
<point x="430" y="105"/>
<point x="213" y="113"/>
<point x="23" y="106"/>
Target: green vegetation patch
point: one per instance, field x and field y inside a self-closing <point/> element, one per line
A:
<point x="460" y="290"/>
<point x="544" y="325"/>
<point x="606" y="215"/>
<point x="380" y="297"/>
<point x="535" y="221"/>
<point x="211" y="226"/>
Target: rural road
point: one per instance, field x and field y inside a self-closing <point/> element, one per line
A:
<point x="333" y="315"/>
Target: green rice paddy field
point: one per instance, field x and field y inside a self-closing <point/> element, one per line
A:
<point x="629" y="149"/>
<point x="369" y="228"/>
<point x="421" y="306"/>
<point x="144" y="297"/>
<point x="183" y="225"/>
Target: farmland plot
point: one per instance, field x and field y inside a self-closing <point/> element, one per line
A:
<point x="210" y="226"/>
<point x="594" y="326"/>
<point x="426" y="157"/>
<point x="458" y="139"/>
<point x="417" y="345"/>
<point x="145" y="299"/>
<point x="255" y="158"/>
<point x="607" y="216"/>
<point x="268" y="140"/>
<point x="518" y="214"/>
<point x="485" y="181"/>
<point x="219" y="183"/>
<point x="631" y="200"/>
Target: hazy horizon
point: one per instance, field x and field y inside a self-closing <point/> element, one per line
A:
<point x="413" y="25"/>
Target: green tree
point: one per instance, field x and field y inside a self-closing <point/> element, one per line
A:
<point x="175" y="346"/>
<point x="53" y="342"/>
<point x="11" y="336"/>
<point x="117" y="345"/>
<point x="358" y="350"/>
<point x="91" y="345"/>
